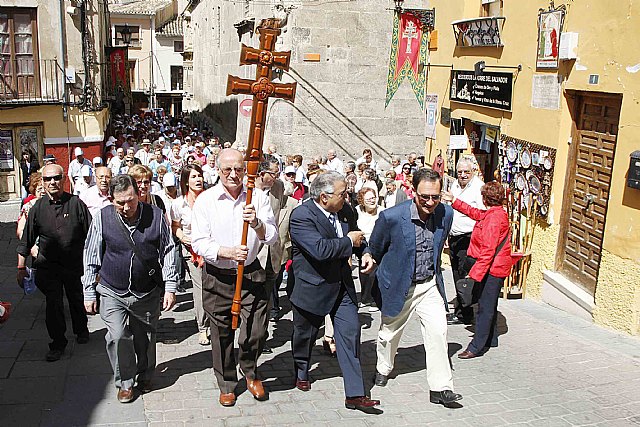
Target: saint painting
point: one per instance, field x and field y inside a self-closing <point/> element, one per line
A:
<point x="549" y="28"/>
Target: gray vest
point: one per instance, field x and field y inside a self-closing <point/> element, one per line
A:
<point x="121" y="270"/>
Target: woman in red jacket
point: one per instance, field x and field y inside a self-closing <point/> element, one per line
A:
<point x="491" y="229"/>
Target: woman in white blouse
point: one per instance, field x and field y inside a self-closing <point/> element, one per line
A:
<point x="191" y="186"/>
<point x="368" y="211"/>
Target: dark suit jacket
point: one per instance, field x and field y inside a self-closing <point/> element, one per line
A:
<point x="26" y="173"/>
<point x="320" y="259"/>
<point x="393" y="246"/>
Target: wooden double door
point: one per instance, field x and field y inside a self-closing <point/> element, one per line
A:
<point x="589" y="169"/>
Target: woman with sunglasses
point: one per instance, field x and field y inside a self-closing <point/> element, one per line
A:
<point x="405" y="180"/>
<point x="191" y="186"/>
<point x="142" y="175"/>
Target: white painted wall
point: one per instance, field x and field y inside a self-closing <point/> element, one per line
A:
<point x="166" y="57"/>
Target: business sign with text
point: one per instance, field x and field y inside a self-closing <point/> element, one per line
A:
<point x="493" y="90"/>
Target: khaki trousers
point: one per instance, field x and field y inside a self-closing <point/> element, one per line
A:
<point x="424" y="299"/>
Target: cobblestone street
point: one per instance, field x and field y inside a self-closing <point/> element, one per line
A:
<point x="551" y="369"/>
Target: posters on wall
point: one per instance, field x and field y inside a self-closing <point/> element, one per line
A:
<point x="6" y="150"/>
<point x="29" y="140"/>
<point x="431" y="112"/>
<point x="549" y="29"/>
<point x="545" y="92"/>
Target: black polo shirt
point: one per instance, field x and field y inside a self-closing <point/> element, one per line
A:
<point x="60" y="227"/>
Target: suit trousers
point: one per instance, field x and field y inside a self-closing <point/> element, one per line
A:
<point x="346" y="334"/>
<point x="217" y="298"/>
<point x="132" y="326"/>
<point x="486" y="334"/>
<point x="196" y="274"/>
<point x="458" y="246"/>
<point x="425" y="300"/>
<point x="53" y="282"/>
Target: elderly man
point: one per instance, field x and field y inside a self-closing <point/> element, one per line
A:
<point x="145" y="155"/>
<point x="117" y="162"/>
<point x="466" y="188"/>
<point x="75" y="167"/>
<point x="60" y="222"/>
<point x="407" y="243"/>
<point x="97" y="197"/>
<point x="324" y="235"/>
<point x="216" y="228"/>
<point x="333" y="162"/>
<point x="131" y="249"/>
<point x="394" y="195"/>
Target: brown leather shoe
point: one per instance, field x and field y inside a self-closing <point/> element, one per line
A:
<point x="227" y="399"/>
<point x="125" y="395"/>
<point x="467" y="355"/>
<point x="303" y="385"/>
<point x="361" y="403"/>
<point x="256" y="389"/>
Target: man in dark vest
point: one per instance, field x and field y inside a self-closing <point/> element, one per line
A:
<point x="130" y="245"/>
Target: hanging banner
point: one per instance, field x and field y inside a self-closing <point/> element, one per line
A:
<point x="431" y="113"/>
<point x="118" y="57"/>
<point x="409" y="45"/>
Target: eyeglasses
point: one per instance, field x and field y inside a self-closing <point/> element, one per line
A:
<point x="406" y="167"/>
<point x="227" y="171"/>
<point x="291" y="174"/>
<point x="144" y="181"/>
<point x="52" y="177"/>
<point x="434" y="197"/>
<point x="274" y="174"/>
<point x="341" y="194"/>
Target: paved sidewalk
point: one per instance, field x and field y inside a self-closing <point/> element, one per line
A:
<point x="551" y="369"/>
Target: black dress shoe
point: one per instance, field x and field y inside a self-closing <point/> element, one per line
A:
<point x="381" y="380"/>
<point x="144" y="386"/>
<point x="54" y="355"/>
<point x="267" y="350"/>
<point x="444" y="397"/>
<point x="361" y="403"/>
<point x="82" y="338"/>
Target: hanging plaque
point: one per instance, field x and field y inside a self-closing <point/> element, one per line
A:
<point x="489" y="89"/>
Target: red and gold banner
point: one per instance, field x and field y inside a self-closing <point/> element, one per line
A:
<point x="409" y="45"/>
<point x="117" y="60"/>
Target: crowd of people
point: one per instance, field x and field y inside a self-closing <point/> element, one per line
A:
<point x="168" y="200"/>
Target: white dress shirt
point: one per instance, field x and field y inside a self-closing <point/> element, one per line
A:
<point x="470" y="194"/>
<point x="217" y="221"/>
<point x="336" y="164"/>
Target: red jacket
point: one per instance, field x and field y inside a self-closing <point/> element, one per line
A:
<point x="492" y="226"/>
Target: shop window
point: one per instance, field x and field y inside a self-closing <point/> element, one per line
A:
<point x="132" y="75"/>
<point x="176" y="77"/>
<point x="135" y="35"/>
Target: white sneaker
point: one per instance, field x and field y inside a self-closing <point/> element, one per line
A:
<point x="373" y="309"/>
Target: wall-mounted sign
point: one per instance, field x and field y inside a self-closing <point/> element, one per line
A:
<point x="6" y="150"/>
<point x="431" y="112"/>
<point x="493" y="90"/>
<point x="549" y="28"/>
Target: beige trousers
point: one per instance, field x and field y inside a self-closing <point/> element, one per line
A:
<point x="425" y="300"/>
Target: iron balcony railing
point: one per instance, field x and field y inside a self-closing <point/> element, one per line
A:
<point x="29" y="81"/>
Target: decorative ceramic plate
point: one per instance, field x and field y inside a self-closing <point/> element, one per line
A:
<point x="535" y="159"/>
<point x="534" y="184"/>
<point x="512" y="152"/>
<point x="540" y="199"/>
<point x="525" y="158"/>
<point x="548" y="163"/>
<point x="521" y="182"/>
<point x="528" y="174"/>
<point x="543" y="210"/>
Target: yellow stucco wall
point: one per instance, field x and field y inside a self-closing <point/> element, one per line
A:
<point x="79" y="123"/>
<point x="606" y="35"/>
<point x="618" y="294"/>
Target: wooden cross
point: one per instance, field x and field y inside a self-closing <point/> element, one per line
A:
<point x="262" y="88"/>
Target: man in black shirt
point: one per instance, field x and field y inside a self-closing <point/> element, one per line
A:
<point x="59" y="221"/>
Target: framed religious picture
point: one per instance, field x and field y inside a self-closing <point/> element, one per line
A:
<point x="549" y="29"/>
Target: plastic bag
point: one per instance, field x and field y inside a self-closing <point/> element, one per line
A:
<point x="29" y="282"/>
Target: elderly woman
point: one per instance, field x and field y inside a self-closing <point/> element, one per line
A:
<point x="191" y="185"/>
<point x="490" y="247"/>
<point x="368" y="211"/>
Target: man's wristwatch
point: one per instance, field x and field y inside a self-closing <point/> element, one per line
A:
<point x="258" y="224"/>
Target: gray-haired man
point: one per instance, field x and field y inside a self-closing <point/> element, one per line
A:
<point x="130" y="245"/>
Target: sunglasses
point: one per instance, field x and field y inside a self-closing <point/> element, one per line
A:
<point x="434" y="197"/>
<point x="52" y="177"/>
<point x="291" y="174"/>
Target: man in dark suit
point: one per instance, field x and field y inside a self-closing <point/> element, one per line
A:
<point x="407" y="243"/>
<point x="324" y="236"/>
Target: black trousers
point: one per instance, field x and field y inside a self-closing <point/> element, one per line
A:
<point x="486" y="334"/>
<point x="217" y="297"/>
<point x="460" y="267"/>
<point x="275" y="287"/>
<point x="53" y="283"/>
